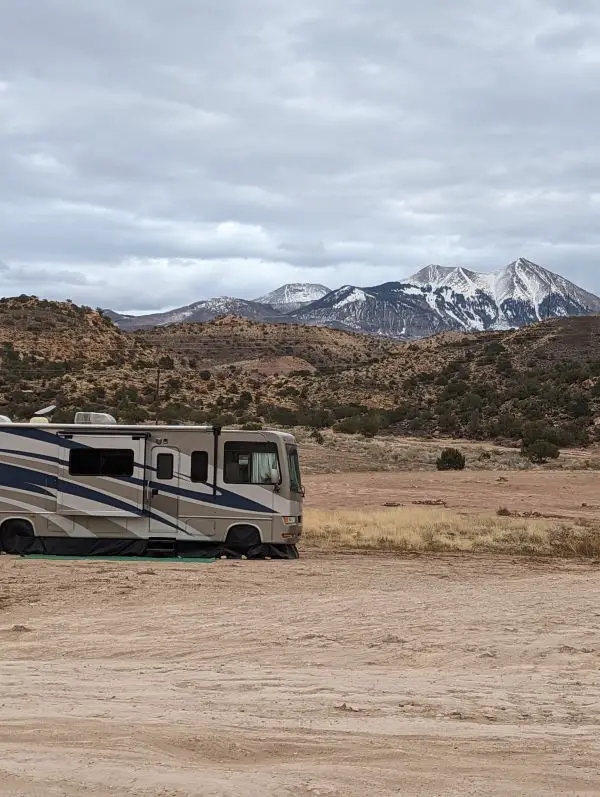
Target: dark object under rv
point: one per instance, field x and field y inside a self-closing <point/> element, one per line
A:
<point x="17" y="538"/>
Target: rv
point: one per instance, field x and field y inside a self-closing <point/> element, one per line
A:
<point x="96" y="487"/>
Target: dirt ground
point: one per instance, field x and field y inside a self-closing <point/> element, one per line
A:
<point x="561" y="493"/>
<point x="353" y="676"/>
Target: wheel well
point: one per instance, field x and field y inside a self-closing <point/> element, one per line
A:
<point x="23" y="524"/>
<point x="12" y="530"/>
<point x="243" y="534"/>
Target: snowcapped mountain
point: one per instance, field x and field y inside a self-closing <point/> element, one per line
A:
<point x="438" y="298"/>
<point x="519" y="294"/>
<point x="520" y="281"/>
<point x="199" y="311"/>
<point x="293" y="296"/>
<point x="435" y="299"/>
<point x="393" y="310"/>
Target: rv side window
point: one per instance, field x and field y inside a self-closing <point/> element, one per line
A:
<point x="164" y="466"/>
<point x="199" y="471"/>
<point x="251" y="463"/>
<point x="294" y="468"/>
<point x="101" y="462"/>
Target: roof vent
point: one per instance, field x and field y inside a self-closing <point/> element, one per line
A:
<point x="39" y="419"/>
<point x="95" y="418"/>
<point x="5" y="419"/>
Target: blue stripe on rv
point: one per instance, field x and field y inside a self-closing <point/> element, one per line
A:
<point x="39" y="482"/>
<point x="24" y="479"/>
<point x="224" y="499"/>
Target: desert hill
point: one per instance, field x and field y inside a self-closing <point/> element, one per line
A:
<point x="477" y="385"/>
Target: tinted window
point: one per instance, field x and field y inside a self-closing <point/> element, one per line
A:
<point x="199" y="471"/>
<point x="294" y="467"/>
<point x="164" y="466"/>
<point x="250" y="463"/>
<point x="101" y="462"/>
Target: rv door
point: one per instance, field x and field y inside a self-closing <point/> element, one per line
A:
<point x="164" y="491"/>
<point x="102" y="475"/>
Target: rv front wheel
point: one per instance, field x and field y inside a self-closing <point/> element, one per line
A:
<point x="242" y="538"/>
<point x="14" y="536"/>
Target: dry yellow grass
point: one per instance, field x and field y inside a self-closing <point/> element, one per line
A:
<point x="439" y="530"/>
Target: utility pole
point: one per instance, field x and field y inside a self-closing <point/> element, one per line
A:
<point x="157" y="394"/>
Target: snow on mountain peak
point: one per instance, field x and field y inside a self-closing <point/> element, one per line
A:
<point x="293" y="295"/>
<point x="294" y="292"/>
<point x="350" y="294"/>
<point x="459" y="280"/>
<point x="430" y="275"/>
<point x="521" y="280"/>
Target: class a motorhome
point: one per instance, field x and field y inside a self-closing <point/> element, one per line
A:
<point x="96" y="487"/>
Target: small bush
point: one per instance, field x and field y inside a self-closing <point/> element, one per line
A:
<point x="166" y="363"/>
<point x="451" y="459"/>
<point x="540" y="452"/>
<point x="367" y="425"/>
<point x="317" y="437"/>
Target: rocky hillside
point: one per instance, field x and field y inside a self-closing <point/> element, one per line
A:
<point x="239" y="341"/>
<point x="42" y="332"/>
<point x="59" y="352"/>
<point x="490" y="385"/>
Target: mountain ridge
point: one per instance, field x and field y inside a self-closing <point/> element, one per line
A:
<point x="434" y="299"/>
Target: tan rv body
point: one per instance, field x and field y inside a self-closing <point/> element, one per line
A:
<point x="120" y="489"/>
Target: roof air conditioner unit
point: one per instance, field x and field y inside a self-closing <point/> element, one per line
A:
<point x="94" y="418"/>
<point x="5" y="419"/>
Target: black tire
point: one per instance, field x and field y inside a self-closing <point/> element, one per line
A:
<point x="242" y="538"/>
<point x="18" y="537"/>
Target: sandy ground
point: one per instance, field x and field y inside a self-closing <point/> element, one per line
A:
<point x="353" y="676"/>
<point x="561" y="493"/>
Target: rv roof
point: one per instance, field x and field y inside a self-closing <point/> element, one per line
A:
<point x="112" y="428"/>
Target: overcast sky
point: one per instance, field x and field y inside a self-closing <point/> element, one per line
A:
<point x="154" y="153"/>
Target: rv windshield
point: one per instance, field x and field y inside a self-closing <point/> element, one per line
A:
<point x="251" y="463"/>
<point x="294" y="468"/>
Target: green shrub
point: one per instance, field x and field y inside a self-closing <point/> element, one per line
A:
<point x="540" y="451"/>
<point x="367" y="425"/>
<point x="537" y="430"/>
<point x="451" y="459"/>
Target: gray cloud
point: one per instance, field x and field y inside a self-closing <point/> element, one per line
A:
<point x="152" y="154"/>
